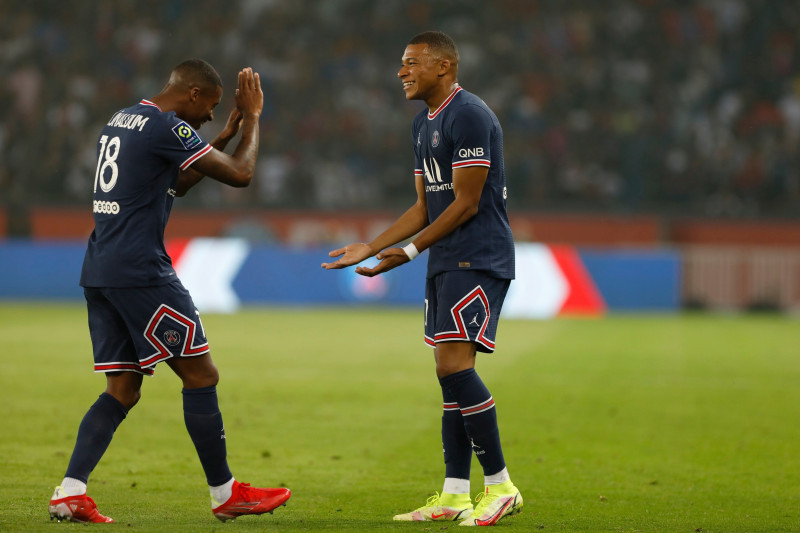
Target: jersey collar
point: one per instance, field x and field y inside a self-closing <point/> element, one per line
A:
<point x="432" y="116"/>
<point x="148" y="102"/>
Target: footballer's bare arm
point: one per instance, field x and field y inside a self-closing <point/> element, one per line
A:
<point x="190" y="177"/>
<point x="237" y="170"/>
<point x="409" y="224"/>
<point x="468" y="185"/>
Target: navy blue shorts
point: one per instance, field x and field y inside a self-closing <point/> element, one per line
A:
<point x="464" y="305"/>
<point x="133" y="329"/>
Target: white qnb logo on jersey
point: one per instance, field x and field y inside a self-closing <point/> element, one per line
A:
<point x="429" y="171"/>
<point x="471" y="152"/>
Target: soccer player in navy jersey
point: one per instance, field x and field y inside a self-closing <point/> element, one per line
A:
<point x="139" y="312"/>
<point x="460" y="217"/>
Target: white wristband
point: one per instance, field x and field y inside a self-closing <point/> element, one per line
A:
<point x="411" y="251"/>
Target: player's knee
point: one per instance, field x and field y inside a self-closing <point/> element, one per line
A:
<point x="206" y="376"/>
<point x="134" y="399"/>
<point x="213" y="376"/>
<point x="454" y="357"/>
<point x="126" y="387"/>
<point x="445" y="368"/>
<point x="443" y="371"/>
<point x="126" y="396"/>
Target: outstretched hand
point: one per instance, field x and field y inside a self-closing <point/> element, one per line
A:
<point x="358" y="251"/>
<point x="350" y="255"/>
<point x="389" y="259"/>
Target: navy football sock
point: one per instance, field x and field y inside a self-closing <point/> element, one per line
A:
<point x="204" y="423"/>
<point x="480" y="417"/>
<point x="456" y="445"/>
<point x="94" y="435"/>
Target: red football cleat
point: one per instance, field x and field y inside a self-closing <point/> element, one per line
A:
<point x="75" y="509"/>
<point x="251" y="500"/>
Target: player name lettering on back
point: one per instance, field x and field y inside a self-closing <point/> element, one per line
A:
<point x="128" y="121"/>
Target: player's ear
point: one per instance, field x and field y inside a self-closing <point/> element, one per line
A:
<point x="194" y="93"/>
<point x="444" y="67"/>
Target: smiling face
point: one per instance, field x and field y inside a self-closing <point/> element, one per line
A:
<point x="425" y="75"/>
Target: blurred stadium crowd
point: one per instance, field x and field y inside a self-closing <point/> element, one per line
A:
<point x="668" y="106"/>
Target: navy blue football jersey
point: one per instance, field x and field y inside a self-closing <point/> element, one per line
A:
<point x="139" y="154"/>
<point x="464" y="132"/>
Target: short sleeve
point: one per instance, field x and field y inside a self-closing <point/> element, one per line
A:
<point x="179" y="143"/>
<point x="471" y="134"/>
<point x="416" y="136"/>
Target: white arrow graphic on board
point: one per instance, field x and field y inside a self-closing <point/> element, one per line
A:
<point x="540" y="287"/>
<point x="207" y="268"/>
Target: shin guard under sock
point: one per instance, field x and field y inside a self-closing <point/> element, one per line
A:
<point x="455" y="442"/>
<point x="204" y="423"/>
<point x="94" y="435"/>
<point x="480" y="417"/>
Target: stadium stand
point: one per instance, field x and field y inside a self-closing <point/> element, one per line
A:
<point x="629" y="106"/>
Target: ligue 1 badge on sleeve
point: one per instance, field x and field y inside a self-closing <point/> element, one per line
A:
<point x="186" y="134"/>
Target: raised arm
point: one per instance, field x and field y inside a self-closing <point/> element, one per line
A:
<point x="237" y="170"/>
<point x="190" y="177"/>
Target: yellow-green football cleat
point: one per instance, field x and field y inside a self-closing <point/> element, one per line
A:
<point x="440" y="507"/>
<point x="494" y="503"/>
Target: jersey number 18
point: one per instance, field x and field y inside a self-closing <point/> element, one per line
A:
<point x="109" y="151"/>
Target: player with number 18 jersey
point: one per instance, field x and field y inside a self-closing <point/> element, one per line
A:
<point x="139" y="313"/>
<point x="140" y="151"/>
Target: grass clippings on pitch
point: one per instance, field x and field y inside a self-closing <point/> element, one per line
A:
<point x="653" y="423"/>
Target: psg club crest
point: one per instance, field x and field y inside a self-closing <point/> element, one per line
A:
<point x="171" y="333"/>
<point x="172" y="337"/>
<point x="435" y="139"/>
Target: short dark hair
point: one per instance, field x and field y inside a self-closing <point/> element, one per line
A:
<point x="439" y="41"/>
<point x="199" y="72"/>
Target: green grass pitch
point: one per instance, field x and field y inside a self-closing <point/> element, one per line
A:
<point x="681" y="423"/>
